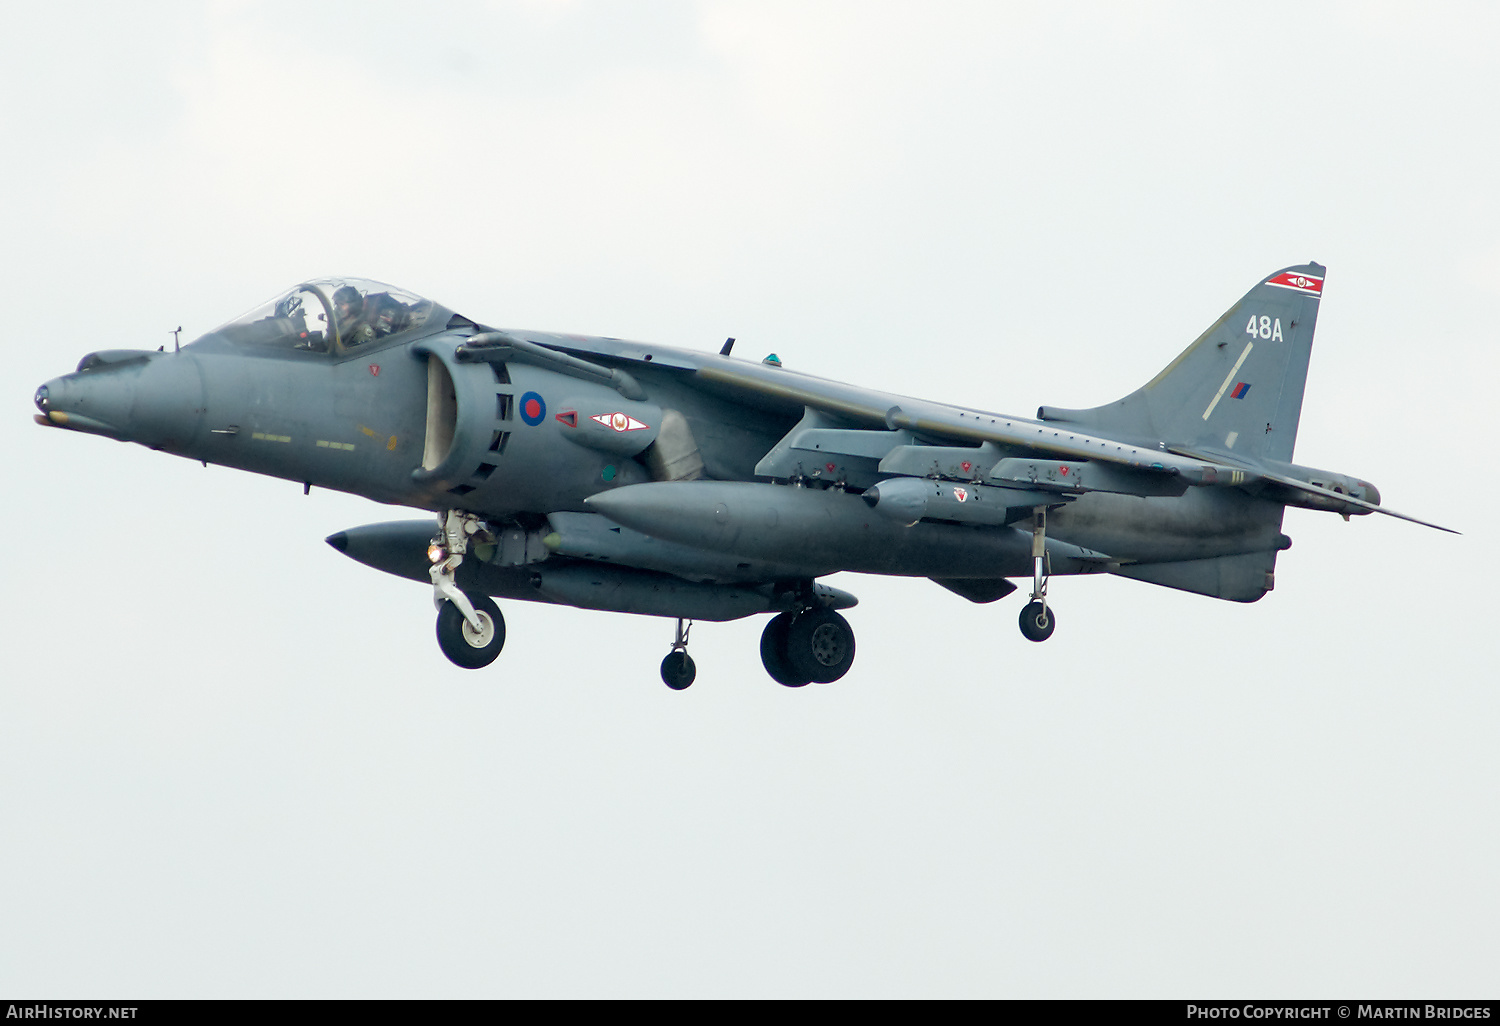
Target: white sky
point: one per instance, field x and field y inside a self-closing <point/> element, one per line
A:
<point x="234" y="763"/>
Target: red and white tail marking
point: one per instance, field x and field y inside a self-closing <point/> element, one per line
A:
<point x="1297" y="282"/>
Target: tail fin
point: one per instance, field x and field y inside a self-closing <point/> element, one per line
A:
<point x="1238" y="387"/>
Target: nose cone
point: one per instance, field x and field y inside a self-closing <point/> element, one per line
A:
<point x="152" y="398"/>
<point x="1372" y="494"/>
<point x="85" y="402"/>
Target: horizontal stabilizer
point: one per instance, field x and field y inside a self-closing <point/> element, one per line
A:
<point x="1329" y="493"/>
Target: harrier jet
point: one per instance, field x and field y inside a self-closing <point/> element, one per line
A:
<point x="616" y="475"/>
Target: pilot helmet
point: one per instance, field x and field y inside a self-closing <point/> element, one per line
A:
<point x="348" y="301"/>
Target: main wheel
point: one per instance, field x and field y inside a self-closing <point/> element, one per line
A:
<point x="1038" y="622"/>
<point x="677" y="670"/>
<point x="820" y="645"/>
<point x="464" y="645"/>
<point x="773" y="653"/>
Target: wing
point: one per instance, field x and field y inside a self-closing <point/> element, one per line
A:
<point x="862" y="435"/>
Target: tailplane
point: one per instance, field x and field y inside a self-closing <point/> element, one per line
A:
<point x="1238" y="388"/>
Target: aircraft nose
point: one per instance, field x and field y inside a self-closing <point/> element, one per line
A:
<point x="148" y="397"/>
<point x="73" y="402"/>
<point x="1372" y="494"/>
<point x="168" y="408"/>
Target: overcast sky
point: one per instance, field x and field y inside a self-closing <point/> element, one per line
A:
<point x="234" y="762"/>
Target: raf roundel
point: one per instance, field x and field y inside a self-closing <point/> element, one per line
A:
<point x="533" y="408"/>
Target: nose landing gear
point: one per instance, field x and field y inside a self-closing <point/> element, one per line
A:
<point x="470" y="629"/>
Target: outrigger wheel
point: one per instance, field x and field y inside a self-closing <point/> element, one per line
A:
<point x="464" y="645"/>
<point x="1038" y="621"/>
<point x="677" y="669"/>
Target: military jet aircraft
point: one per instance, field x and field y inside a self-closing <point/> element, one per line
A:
<point x="617" y="475"/>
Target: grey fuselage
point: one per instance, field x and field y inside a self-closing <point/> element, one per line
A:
<point x="751" y="473"/>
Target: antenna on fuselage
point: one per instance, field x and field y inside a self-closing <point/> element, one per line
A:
<point x="728" y="345"/>
<point x="177" y="339"/>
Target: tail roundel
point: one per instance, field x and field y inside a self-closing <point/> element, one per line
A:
<point x="1238" y="388"/>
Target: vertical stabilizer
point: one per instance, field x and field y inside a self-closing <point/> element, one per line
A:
<point x="1238" y="388"/>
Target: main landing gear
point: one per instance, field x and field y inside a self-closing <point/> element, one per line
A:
<point x="470" y="629"/>
<point x="810" y="646"/>
<point x="1037" y="620"/>
<point x="814" y="645"/>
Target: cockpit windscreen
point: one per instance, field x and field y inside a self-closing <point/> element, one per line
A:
<point x="330" y="315"/>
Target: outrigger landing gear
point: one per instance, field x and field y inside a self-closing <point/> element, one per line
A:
<point x="813" y="645"/>
<point x="470" y="629"/>
<point x="1037" y="620"/>
<point x="677" y="669"/>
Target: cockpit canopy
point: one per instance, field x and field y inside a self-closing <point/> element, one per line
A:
<point x="330" y="315"/>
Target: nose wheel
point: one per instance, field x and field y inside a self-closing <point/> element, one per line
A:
<point x="677" y="670"/>
<point x="465" y="644"/>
